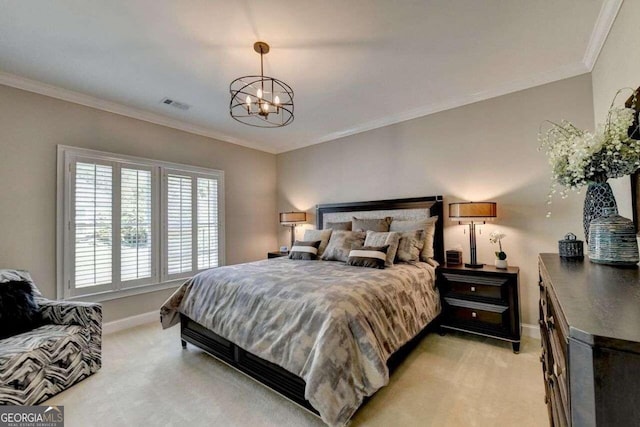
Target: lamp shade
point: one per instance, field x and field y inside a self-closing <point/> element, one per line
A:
<point x="472" y="211"/>
<point x="292" y="217"/>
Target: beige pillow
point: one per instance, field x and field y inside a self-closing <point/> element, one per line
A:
<point x="410" y="246"/>
<point x="429" y="227"/>
<point x="380" y="238"/>
<point x="322" y="235"/>
<point x="339" y="225"/>
<point x="341" y="243"/>
<point x="366" y="224"/>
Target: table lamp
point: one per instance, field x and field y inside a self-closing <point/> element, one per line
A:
<point x="291" y="219"/>
<point x="472" y="213"/>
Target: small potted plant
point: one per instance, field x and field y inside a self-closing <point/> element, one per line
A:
<point x="501" y="256"/>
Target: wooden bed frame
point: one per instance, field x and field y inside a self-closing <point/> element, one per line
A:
<point x="273" y="376"/>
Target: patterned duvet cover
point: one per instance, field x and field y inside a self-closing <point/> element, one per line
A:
<point x="331" y="324"/>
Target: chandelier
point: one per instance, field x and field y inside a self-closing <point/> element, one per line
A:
<point x="261" y="101"/>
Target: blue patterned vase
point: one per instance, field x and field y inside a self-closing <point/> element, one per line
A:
<point x="599" y="196"/>
<point x="612" y="240"/>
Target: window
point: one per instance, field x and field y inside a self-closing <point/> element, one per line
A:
<point x="129" y="225"/>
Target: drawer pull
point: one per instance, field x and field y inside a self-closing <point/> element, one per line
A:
<point x="541" y="284"/>
<point x="557" y="371"/>
<point x="474" y="314"/>
<point x="551" y="322"/>
<point x="473" y="289"/>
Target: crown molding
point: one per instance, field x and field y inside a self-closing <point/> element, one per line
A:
<point x="601" y="29"/>
<point x="34" y="86"/>
<point x="503" y="89"/>
<point x="112" y="107"/>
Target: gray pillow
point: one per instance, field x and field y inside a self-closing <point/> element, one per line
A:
<point x="429" y="227"/>
<point x="340" y="244"/>
<point x="339" y="225"/>
<point x="304" y="250"/>
<point x="368" y="256"/>
<point x="380" y="238"/>
<point x="322" y="235"/>
<point x="411" y="243"/>
<point x="364" y="224"/>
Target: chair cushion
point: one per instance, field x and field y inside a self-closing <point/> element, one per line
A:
<point x="38" y="364"/>
<point x="18" y="309"/>
<point x="47" y="337"/>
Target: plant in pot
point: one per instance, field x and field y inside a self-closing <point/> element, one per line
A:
<point x="501" y="256"/>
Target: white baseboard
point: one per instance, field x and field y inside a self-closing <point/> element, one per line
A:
<point x="532" y="331"/>
<point x="130" y="322"/>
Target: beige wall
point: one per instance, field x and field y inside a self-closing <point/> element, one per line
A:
<point x="618" y="66"/>
<point x="32" y="125"/>
<point x="483" y="151"/>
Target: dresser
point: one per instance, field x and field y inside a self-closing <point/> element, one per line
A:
<point x="481" y="301"/>
<point x="590" y="334"/>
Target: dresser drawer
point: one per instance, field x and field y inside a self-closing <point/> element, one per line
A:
<point x="480" y="317"/>
<point x="480" y="287"/>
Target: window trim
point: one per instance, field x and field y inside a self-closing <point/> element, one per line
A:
<point x="66" y="155"/>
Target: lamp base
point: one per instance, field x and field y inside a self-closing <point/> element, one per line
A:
<point x="473" y="265"/>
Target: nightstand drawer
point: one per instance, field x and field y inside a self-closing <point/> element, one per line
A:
<point x="481" y="287"/>
<point x="477" y="316"/>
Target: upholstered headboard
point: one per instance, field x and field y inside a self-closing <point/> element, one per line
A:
<point x="414" y="208"/>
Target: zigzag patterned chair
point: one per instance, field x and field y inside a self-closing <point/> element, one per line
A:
<point x="40" y="363"/>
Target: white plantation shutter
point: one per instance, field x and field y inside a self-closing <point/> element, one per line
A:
<point x="129" y="225"/>
<point x="136" y="226"/>
<point x="93" y="224"/>
<point x="207" y="234"/>
<point x="179" y="224"/>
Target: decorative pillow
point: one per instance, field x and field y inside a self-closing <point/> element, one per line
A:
<point x="8" y="274"/>
<point x="380" y="238"/>
<point x="339" y="225"/>
<point x="340" y="244"/>
<point x="304" y="250"/>
<point x="429" y="227"/>
<point x="368" y="256"/>
<point x="322" y="235"/>
<point x="19" y="311"/>
<point x="411" y="243"/>
<point x="363" y="224"/>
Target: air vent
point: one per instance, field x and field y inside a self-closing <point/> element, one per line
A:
<point x="175" y="104"/>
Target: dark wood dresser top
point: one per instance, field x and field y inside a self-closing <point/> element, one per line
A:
<point x="600" y="303"/>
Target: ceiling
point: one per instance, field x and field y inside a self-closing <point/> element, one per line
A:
<point x="354" y="65"/>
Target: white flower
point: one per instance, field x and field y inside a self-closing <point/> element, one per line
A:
<point x="578" y="158"/>
<point x="496" y="237"/>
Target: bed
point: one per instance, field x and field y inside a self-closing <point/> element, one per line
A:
<point x="322" y="333"/>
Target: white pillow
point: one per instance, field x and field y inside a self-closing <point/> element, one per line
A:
<point x="322" y="235"/>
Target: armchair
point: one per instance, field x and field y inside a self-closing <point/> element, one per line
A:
<point x="42" y="362"/>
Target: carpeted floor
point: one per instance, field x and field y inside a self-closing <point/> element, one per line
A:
<point x="147" y="379"/>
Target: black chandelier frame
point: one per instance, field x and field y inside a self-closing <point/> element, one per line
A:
<point x="276" y="98"/>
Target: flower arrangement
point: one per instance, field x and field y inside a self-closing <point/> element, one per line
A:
<point x="579" y="157"/>
<point x="496" y="237"/>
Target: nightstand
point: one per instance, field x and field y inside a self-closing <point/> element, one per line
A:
<point x="277" y="254"/>
<point x="481" y="301"/>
